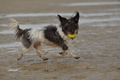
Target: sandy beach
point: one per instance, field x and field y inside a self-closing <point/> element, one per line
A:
<point x="97" y="44"/>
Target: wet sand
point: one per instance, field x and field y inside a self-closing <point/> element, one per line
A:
<point x="97" y="44"/>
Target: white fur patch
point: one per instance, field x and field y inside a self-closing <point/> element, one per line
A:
<point x="37" y="35"/>
<point x="66" y="38"/>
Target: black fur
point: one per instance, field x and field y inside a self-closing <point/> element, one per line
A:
<point x="26" y="41"/>
<point x="19" y="32"/>
<point x="52" y="35"/>
<point x="25" y="36"/>
<point x="69" y="25"/>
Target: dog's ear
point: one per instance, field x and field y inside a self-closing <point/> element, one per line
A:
<point x="62" y="19"/>
<point x="76" y="17"/>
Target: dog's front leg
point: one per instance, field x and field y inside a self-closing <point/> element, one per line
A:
<point x="72" y="54"/>
<point x="66" y="50"/>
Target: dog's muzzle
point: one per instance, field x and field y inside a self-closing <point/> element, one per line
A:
<point x="72" y="36"/>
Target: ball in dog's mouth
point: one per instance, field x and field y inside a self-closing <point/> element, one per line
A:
<point x="72" y="36"/>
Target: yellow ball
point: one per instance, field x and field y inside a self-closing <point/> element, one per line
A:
<point x="72" y="35"/>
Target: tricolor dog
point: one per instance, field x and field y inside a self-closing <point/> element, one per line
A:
<point x="56" y="36"/>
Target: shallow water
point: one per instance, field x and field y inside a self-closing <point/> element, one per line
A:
<point x="54" y="14"/>
<point x="113" y="17"/>
<point x="13" y="70"/>
<point x="97" y="44"/>
<point x="15" y="44"/>
<point x="92" y="3"/>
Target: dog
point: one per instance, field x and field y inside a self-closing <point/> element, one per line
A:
<point x="49" y="35"/>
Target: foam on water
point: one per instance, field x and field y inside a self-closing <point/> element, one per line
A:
<point x="91" y="3"/>
<point x="105" y="24"/>
<point x="13" y="70"/>
<point x="53" y="14"/>
<point x="33" y="15"/>
<point x="84" y="21"/>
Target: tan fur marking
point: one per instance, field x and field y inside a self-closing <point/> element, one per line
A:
<point x="37" y="46"/>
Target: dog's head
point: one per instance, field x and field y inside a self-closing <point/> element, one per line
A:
<point x="70" y="26"/>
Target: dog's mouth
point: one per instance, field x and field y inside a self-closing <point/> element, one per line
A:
<point x="72" y="36"/>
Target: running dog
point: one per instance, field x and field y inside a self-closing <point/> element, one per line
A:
<point x="49" y="35"/>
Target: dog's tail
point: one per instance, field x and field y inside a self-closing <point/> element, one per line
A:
<point x="18" y="30"/>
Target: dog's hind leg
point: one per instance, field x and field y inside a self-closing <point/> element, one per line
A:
<point x="24" y="50"/>
<point x="37" y="46"/>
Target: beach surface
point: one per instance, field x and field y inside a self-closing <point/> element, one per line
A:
<point x="97" y="43"/>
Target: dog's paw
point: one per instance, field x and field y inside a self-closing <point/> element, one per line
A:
<point x="63" y="53"/>
<point x="19" y="58"/>
<point x="45" y="59"/>
<point x="77" y="57"/>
